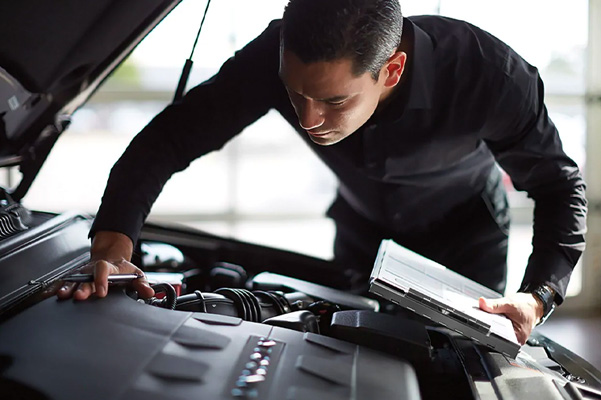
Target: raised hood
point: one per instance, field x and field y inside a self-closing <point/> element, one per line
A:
<point x="53" y="56"/>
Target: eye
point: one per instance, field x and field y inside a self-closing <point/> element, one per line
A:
<point x="336" y="103"/>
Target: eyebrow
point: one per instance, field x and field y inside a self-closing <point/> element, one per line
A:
<point x="333" y="99"/>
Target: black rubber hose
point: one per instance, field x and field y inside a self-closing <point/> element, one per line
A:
<point x="248" y="314"/>
<point x="202" y="300"/>
<point x="282" y="301"/>
<point x="250" y="305"/>
<point x="235" y="297"/>
<point x="253" y="304"/>
<point x="247" y="304"/>
<point x="170" y="300"/>
<point x="192" y="298"/>
<point x="277" y="303"/>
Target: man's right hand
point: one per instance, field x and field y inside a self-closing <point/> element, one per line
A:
<point x="110" y="254"/>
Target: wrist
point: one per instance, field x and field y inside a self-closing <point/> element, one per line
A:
<point x="544" y="296"/>
<point x="539" y="308"/>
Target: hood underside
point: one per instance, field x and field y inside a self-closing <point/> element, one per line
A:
<point x="53" y="56"/>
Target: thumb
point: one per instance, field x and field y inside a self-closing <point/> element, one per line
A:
<point x="495" y="306"/>
<point x="143" y="288"/>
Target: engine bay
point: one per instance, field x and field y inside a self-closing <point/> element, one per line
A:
<point x="236" y="320"/>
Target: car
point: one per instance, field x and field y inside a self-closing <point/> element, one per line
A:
<point x="230" y="319"/>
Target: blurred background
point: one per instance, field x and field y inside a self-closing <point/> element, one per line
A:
<point x="266" y="186"/>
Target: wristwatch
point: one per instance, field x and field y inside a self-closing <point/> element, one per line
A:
<point x="547" y="297"/>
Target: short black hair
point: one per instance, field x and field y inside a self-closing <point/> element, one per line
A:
<point x="366" y="31"/>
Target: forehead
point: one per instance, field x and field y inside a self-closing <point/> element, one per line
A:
<point x="321" y="79"/>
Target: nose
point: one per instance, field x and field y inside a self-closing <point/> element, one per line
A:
<point x="310" y="116"/>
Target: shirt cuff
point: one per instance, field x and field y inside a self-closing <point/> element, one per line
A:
<point x="549" y="267"/>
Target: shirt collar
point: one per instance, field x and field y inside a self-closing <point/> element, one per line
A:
<point x="422" y="68"/>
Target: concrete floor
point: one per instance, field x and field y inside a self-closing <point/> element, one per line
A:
<point x="579" y="334"/>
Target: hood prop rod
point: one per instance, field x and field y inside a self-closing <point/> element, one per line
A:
<point x="183" y="79"/>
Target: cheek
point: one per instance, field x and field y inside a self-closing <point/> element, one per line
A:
<point x="352" y="117"/>
<point x="339" y="115"/>
<point x="294" y="103"/>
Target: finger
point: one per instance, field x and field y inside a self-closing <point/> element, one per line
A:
<point x="66" y="291"/>
<point x="141" y="285"/>
<point x="83" y="291"/>
<point x="496" y="306"/>
<point x="520" y="335"/>
<point x="517" y="329"/>
<point x="143" y="288"/>
<point x="525" y="331"/>
<point x="102" y="271"/>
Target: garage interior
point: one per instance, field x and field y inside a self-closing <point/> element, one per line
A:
<point x="222" y="201"/>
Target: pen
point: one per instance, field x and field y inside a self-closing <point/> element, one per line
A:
<point x="111" y="278"/>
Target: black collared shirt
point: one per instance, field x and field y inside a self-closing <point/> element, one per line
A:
<point x="467" y="100"/>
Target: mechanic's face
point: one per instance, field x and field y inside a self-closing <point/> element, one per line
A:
<point x="330" y="101"/>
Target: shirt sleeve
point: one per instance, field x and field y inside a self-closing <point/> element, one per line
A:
<point x="209" y="115"/>
<point x="527" y="146"/>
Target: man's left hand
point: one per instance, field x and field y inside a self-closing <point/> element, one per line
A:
<point x="523" y="309"/>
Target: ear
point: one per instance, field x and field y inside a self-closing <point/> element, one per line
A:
<point x="393" y="69"/>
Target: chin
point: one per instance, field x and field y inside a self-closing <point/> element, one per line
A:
<point x="329" y="139"/>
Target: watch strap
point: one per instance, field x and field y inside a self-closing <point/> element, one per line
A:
<point x="547" y="297"/>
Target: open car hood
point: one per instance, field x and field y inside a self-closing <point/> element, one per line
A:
<point x="53" y="56"/>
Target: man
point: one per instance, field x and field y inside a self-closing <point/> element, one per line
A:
<point x="411" y="115"/>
